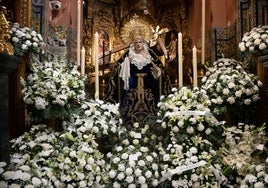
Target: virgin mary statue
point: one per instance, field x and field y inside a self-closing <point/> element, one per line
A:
<point x="140" y="75"/>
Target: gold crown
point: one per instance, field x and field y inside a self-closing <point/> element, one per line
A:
<point x="136" y="27"/>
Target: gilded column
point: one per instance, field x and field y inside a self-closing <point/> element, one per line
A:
<point x="26" y="12"/>
<point x="5" y="46"/>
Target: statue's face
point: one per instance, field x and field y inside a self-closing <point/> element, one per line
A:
<point x="138" y="45"/>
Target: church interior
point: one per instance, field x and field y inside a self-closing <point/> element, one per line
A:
<point x="71" y="118"/>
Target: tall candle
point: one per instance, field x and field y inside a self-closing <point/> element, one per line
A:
<point x="78" y="31"/>
<point x="83" y="55"/>
<point x="96" y="57"/>
<point x="180" y="60"/>
<point x="194" y="67"/>
<point x="203" y="31"/>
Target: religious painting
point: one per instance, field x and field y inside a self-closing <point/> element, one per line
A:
<point x="103" y="47"/>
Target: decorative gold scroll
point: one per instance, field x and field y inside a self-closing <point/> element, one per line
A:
<point x="5" y="46"/>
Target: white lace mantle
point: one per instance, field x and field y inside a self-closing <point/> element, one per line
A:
<point x="139" y="60"/>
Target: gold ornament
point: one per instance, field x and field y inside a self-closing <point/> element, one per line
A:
<point x="136" y="28"/>
<point x="5" y="46"/>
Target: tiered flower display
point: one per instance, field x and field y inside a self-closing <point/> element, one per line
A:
<point x="52" y="89"/>
<point x="231" y="89"/>
<point x="71" y="158"/>
<point x="191" y="136"/>
<point x="255" y="41"/>
<point x="187" y="147"/>
<point x="133" y="162"/>
<point x="100" y="119"/>
<point x="45" y="158"/>
<point x="25" y="40"/>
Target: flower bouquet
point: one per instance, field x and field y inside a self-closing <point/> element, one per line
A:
<point x="231" y="89"/>
<point x="255" y="41"/>
<point x="26" y="40"/>
<point x="187" y="153"/>
<point x="244" y="155"/>
<point x="132" y="162"/>
<point x="52" y="90"/>
<point x="100" y="119"/>
<point x="45" y="158"/>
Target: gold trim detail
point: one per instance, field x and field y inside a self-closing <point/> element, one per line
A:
<point x="26" y="12"/>
<point x="136" y="28"/>
<point x="5" y="46"/>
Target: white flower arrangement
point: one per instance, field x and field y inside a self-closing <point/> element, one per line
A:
<point x="185" y="147"/>
<point x="100" y="119"/>
<point x="244" y="154"/>
<point x="26" y="40"/>
<point x="53" y="88"/>
<point x="255" y="41"/>
<point x="45" y="158"/>
<point x="133" y="163"/>
<point x="144" y="156"/>
<point x="230" y="87"/>
<point x="193" y="135"/>
<point x="256" y="177"/>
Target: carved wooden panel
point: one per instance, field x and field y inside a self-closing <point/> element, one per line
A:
<point x="225" y="42"/>
<point x="26" y="12"/>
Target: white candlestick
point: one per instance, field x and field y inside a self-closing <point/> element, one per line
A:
<point x="78" y="31"/>
<point x="194" y="67"/>
<point x="203" y="30"/>
<point x="83" y="55"/>
<point x="180" y="67"/>
<point x="96" y="55"/>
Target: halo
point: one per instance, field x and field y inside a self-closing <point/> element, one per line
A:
<point x="136" y="28"/>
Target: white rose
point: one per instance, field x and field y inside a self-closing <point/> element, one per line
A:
<point x="242" y="47"/>
<point x="219" y="100"/>
<point x="190" y="130"/>
<point x="135" y="141"/>
<point x="36" y="181"/>
<point x="116" y="160"/>
<point x="141" y="180"/>
<point x="231" y="100"/>
<point x="247" y="102"/>
<point x="24" y="47"/>
<point x="231" y="85"/>
<point x="255" y="97"/>
<point x="130" y="179"/>
<point x="121" y="167"/>
<point x="124" y="156"/>
<point x="141" y="163"/>
<point x="148" y="174"/>
<point x="208" y="131"/>
<point x="15" y="39"/>
<point x="251" y="48"/>
<point x="225" y="91"/>
<point x="137" y="172"/>
<point x="200" y="127"/>
<point x="129" y="171"/>
<point x="175" y="129"/>
<point x="238" y="93"/>
<point x="121" y="176"/>
<point x="248" y="44"/>
<point x="262" y="46"/>
<point x="257" y="41"/>
<point x="249" y="91"/>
